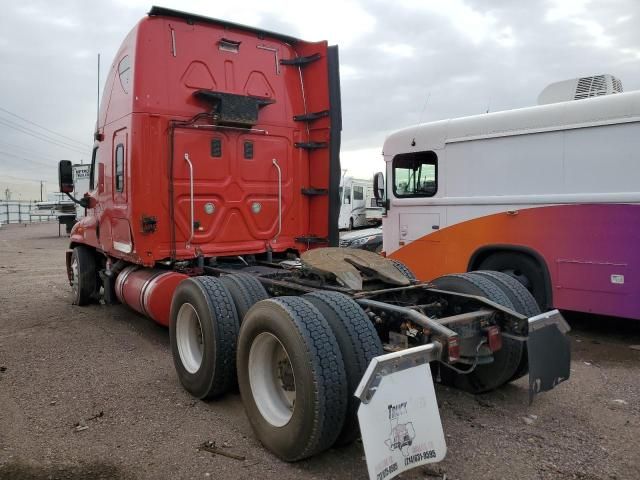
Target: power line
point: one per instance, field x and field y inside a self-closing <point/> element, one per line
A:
<point x="44" y="128"/>
<point x="27" y="151"/>
<point x="39" y="136"/>
<point x="30" y="160"/>
<point x="22" y="179"/>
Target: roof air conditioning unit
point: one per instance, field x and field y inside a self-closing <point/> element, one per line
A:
<point x="580" y="88"/>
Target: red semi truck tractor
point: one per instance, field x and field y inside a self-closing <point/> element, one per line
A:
<point x="213" y="209"/>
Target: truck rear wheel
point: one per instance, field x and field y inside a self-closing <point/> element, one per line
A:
<point x="203" y="332"/>
<point x="523" y="302"/>
<point x="291" y="377"/>
<point x="505" y="361"/>
<point x="83" y="275"/>
<point x="359" y="343"/>
<point x="406" y="271"/>
<point x="246" y="291"/>
<point x="524" y="269"/>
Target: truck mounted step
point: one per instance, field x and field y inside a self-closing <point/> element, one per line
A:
<point x="301" y="61"/>
<point x="314" y="192"/>
<point x="310" y="117"/>
<point x="311" y="239"/>
<point x="311" y="145"/>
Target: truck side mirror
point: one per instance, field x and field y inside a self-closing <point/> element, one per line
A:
<point x="65" y="176"/>
<point x="378" y="188"/>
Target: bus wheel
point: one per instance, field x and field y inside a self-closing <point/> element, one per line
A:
<point x="203" y="333"/>
<point x="83" y="276"/>
<point x="292" y="377"/>
<point x="524" y="269"/>
<point x="523" y="302"/>
<point x="505" y="361"/>
<point x="359" y="344"/>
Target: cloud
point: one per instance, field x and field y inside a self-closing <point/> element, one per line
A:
<point x="402" y="63"/>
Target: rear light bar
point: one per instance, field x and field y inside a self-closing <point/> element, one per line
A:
<point x="453" y="349"/>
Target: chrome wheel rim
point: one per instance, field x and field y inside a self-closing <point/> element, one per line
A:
<point x="189" y="338"/>
<point x="272" y="379"/>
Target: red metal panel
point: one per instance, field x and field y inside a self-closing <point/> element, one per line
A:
<point x="169" y="60"/>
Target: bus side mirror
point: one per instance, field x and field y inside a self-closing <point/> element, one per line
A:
<point x="65" y="176"/>
<point x="378" y="188"/>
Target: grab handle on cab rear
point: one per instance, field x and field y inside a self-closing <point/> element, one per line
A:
<point x="188" y="160"/>
<point x="275" y="164"/>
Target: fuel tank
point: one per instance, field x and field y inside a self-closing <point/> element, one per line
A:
<point x="148" y="291"/>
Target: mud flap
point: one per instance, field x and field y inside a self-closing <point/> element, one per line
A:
<point x="398" y="415"/>
<point x="549" y="352"/>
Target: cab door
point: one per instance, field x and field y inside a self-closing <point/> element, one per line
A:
<point x="120" y="186"/>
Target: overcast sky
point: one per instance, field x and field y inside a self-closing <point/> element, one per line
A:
<point x="402" y="62"/>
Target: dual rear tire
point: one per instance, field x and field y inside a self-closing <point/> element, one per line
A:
<point x="522" y="268"/>
<point x="203" y="333"/>
<point x="510" y="362"/>
<point x="246" y="290"/>
<point x="298" y="359"/>
<point x="291" y="377"/>
<point x="328" y="342"/>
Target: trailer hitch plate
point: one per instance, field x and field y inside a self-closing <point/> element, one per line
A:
<point x="398" y="415"/>
<point x="348" y="264"/>
<point x="549" y="352"/>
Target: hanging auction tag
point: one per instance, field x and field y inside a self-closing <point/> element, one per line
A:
<point x="399" y="417"/>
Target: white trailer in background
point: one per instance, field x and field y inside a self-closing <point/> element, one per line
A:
<point x="358" y="206"/>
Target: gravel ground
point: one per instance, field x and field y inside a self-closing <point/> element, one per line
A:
<point x="110" y="370"/>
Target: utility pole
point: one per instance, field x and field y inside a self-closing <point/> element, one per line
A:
<point x="41" y="183"/>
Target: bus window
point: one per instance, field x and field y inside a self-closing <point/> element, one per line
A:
<point x="358" y="193"/>
<point x="415" y="174"/>
<point x="347" y="195"/>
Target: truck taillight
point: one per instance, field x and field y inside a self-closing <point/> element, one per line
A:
<point x="494" y="338"/>
<point x="453" y="349"/>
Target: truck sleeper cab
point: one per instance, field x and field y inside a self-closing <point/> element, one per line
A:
<point x="208" y="144"/>
<point x="213" y="210"/>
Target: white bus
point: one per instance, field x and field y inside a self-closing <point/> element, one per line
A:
<point x="548" y="194"/>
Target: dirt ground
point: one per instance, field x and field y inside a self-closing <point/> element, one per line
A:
<point x="110" y="370"/>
